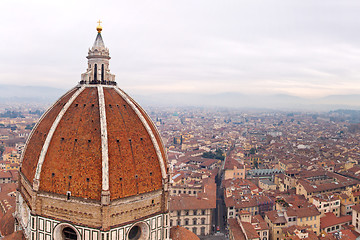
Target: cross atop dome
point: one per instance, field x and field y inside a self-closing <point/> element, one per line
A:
<point x="99" y="27"/>
<point x="98" y="71"/>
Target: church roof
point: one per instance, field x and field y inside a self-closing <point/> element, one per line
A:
<point x="95" y="137"/>
<point x="99" y="43"/>
<point x="180" y="233"/>
<point x="18" y="235"/>
<point x="7" y="223"/>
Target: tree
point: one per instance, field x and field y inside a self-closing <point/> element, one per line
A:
<point x="218" y="154"/>
<point x="252" y="151"/>
<point x="11" y="114"/>
<point x="30" y="126"/>
<point x="2" y="149"/>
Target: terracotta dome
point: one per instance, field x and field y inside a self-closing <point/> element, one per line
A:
<point x="93" y="139"/>
<point x="94" y="166"/>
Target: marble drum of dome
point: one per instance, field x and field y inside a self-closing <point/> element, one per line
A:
<point x="94" y="166"/>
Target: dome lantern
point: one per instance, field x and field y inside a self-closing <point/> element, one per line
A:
<point x="98" y="70"/>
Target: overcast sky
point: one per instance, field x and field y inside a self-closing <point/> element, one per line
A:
<point x="305" y="47"/>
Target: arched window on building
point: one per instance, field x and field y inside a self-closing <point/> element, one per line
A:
<point x="203" y="221"/>
<point x="102" y="72"/>
<point x="95" y="72"/>
<point x="194" y="229"/>
<point x="194" y="221"/>
<point x="69" y="234"/>
<point x="202" y="230"/>
<point x="134" y="233"/>
<point x="186" y="221"/>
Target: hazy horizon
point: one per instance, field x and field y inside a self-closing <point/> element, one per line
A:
<point x="48" y="95"/>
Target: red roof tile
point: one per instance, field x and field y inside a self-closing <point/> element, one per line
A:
<point x="180" y="233"/>
<point x="18" y="235"/>
<point x="236" y="229"/>
<point x="330" y="220"/>
<point x="7" y="223"/>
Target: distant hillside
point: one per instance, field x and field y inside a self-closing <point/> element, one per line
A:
<point x="238" y="100"/>
<point x="33" y="94"/>
<point x="18" y="94"/>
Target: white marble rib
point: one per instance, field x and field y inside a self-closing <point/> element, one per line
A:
<point x="152" y="136"/>
<point x="51" y="133"/>
<point x="104" y="140"/>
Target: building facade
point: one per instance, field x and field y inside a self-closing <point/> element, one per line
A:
<point x="195" y="212"/>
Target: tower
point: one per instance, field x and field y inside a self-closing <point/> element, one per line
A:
<point x="98" y="63"/>
<point x="94" y="166"/>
